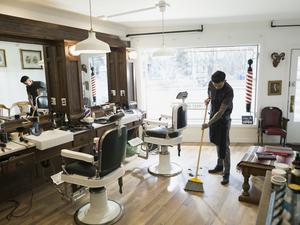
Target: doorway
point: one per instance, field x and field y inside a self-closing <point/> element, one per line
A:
<point x="294" y="98"/>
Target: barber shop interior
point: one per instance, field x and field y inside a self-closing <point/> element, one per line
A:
<point x="157" y="112"/>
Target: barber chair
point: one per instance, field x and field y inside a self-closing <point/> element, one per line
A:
<point x="96" y="172"/>
<point x="168" y="132"/>
<point x="42" y="104"/>
<point x="271" y="122"/>
<point x="23" y="106"/>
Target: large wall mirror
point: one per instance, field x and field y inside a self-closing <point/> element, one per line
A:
<point x="94" y="79"/>
<point x="18" y="60"/>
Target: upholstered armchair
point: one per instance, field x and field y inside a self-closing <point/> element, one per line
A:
<point x="271" y="122"/>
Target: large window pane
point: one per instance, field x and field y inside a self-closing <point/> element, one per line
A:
<point x="297" y="94"/>
<point x="191" y="70"/>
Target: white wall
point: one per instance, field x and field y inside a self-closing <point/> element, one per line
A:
<point x="11" y="90"/>
<point x="269" y="39"/>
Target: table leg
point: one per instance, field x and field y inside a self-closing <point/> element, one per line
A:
<point x="246" y="185"/>
<point x="245" y="196"/>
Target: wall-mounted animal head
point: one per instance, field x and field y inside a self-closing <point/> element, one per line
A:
<point x="277" y="57"/>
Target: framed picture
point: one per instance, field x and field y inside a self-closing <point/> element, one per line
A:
<point x="274" y="87"/>
<point x="2" y="58"/>
<point x="30" y="59"/>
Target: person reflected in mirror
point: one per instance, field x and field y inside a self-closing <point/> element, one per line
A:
<point x="33" y="89"/>
<point x="220" y="95"/>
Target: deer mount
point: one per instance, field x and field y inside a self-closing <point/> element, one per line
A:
<point x="277" y="57"/>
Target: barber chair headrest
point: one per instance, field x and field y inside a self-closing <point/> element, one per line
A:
<point x="182" y="95"/>
<point x="116" y="117"/>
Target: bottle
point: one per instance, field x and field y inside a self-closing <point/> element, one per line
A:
<point x="295" y="173"/>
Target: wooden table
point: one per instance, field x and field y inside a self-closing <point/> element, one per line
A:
<point x="250" y="165"/>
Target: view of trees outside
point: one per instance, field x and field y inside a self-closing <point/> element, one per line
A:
<point x="297" y="95"/>
<point x="190" y="70"/>
<point x="100" y="70"/>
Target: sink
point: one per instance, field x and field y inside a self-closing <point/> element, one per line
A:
<point x="50" y="138"/>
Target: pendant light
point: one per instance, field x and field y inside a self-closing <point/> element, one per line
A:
<point x="91" y="44"/>
<point x="163" y="51"/>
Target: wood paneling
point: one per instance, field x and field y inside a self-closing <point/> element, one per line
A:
<point x="24" y="28"/>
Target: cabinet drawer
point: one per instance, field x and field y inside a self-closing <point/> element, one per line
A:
<point x="82" y="139"/>
<point x="18" y="162"/>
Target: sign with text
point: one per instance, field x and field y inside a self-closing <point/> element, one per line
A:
<point x="247" y="119"/>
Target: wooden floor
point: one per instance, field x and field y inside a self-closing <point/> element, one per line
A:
<point x="153" y="200"/>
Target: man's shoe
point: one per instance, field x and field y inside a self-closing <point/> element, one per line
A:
<point x="217" y="169"/>
<point x="225" y="180"/>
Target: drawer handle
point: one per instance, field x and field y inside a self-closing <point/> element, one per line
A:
<point x="20" y="163"/>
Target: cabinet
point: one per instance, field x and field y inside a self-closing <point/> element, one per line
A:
<point x="120" y="77"/>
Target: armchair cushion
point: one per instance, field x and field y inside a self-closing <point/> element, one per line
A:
<point x="81" y="168"/>
<point x="161" y="132"/>
<point x="275" y="131"/>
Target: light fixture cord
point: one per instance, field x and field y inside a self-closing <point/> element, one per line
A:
<point x="163" y="28"/>
<point x="91" y="22"/>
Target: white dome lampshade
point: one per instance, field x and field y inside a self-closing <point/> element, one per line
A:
<point x="92" y="45"/>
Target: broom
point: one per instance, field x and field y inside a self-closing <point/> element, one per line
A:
<point x="194" y="183"/>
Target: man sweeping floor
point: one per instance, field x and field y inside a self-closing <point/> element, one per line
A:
<point x="220" y="95"/>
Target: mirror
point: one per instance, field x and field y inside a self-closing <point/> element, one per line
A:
<point x="94" y="79"/>
<point x="18" y="60"/>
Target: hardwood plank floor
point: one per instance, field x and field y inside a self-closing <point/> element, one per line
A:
<point x="150" y="200"/>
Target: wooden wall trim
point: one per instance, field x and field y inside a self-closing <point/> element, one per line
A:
<point x="11" y="26"/>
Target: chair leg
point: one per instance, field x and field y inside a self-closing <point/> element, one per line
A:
<point x="262" y="138"/>
<point x="179" y="149"/>
<point x="120" y="182"/>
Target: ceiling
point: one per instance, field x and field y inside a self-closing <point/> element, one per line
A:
<point x="180" y="12"/>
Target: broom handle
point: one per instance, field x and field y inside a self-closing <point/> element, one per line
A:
<point x="201" y="142"/>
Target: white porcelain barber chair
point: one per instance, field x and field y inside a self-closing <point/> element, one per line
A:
<point x="168" y="132"/>
<point x="96" y="172"/>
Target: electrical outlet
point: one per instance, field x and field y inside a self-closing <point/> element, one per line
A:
<point x="113" y="92"/>
<point x="63" y="101"/>
<point x="122" y="92"/>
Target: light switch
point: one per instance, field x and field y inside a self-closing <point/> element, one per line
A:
<point x="53" y="101"/>
<point x="113" y="92"/>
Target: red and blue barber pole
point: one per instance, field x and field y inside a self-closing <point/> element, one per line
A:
<point x="249" y="84"/>
<point x="93" y="81"/>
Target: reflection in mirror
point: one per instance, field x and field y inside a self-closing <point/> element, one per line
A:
<point x="94" y="79"/>
<point x="23" y="81"/>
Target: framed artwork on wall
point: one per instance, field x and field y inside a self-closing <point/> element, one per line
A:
<point x="30" y="59"/>
<point x="274" y="87"/>
<point x="2" y="58"/>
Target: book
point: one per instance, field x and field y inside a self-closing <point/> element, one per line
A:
<point x="278" y="150"/>
<point x="265" y="156"/>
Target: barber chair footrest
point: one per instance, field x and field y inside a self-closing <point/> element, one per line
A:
<point x="172" y="170"/>
<point x="84" y="216"/>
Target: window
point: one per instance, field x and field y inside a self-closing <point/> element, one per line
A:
<point x="191" y="70"/>
<point x="297" y="94"/>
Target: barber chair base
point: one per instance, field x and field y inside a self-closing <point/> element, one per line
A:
<point x="165" y="167"/>
<point x="173" y="170"/>
<point x="99" y="211"/>
<point x="83" y="217"/>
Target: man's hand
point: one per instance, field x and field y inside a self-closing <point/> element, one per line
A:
<point x="204" y="126"/>
<point x="207" y="101"/>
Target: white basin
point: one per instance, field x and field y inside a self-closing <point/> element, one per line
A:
<point x="51" y="138"/>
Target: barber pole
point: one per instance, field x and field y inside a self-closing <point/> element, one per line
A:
<point x="93" y="81"/>
<point x="249" y="81"/>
